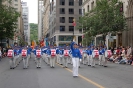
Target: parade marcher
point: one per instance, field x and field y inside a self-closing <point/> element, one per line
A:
<point x="57" y="55"/>
<point x="48" y="56"/>
<point x="34" y="51"/>
<point x="38" y="57"/>
<point x="10" y="55"/>
<point x="95" y="55"/>
<point x="70" y="57"/>
<point x="53" y="56"/>
<point x="76" y="55"/>
<point x="81" y="52"/>
<point x="24" y="56"/>
<point x="17" y="56"/>
<point x="29" y="49"/>
<point x="66" y="56"/>
<point x="85" y="56"/>
<point x="101" y="56"/>
<point x="44" y="49"/>
<point x="61" y="52"/>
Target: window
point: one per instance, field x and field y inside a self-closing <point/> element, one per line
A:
<point x="92" y="5"/>
<point x="16" y="4"/>
<point x="71" y="11"/>
<point x="16" y="0"/>
<point x="62" y="2"/>
<point x="71" y="2"/>
<point x="80" y="2"/>
<point x="71" y="19"/>
<point x="16" y="8"/>
<point x="62" y="10"/>
<point x="62" y="28"/>
<point x="71" y="28"/>
<point x="88" y="7"/>
<point x="80" y="11"/>
<point x="65" y="38"/>
<point x="62" y="19"/>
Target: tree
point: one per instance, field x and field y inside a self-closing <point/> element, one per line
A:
<point x="105" y="18"/>
<point x="9" y="18"/>
<point x="33" y="32"/>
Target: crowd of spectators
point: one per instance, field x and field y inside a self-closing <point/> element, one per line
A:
<point x="122" y="55"/>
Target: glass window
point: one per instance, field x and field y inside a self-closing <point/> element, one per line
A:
<point x="71" y="11"/>
<point x="62" y="10"/>
<point x="62" y="2"/>
<point x="71" y="28"/>
<point x="62" y="19"/>
<point x="71" y="19"/>
<point x="65" y="38"/>
<point x="62" y="28"/>
<point x="71" y="2"/>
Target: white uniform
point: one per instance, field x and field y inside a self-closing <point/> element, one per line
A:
<point x="25" y="60"/>
<point x="65" y="59"/>
<point x="52" y="59"/>
<point x="10" y="55"/>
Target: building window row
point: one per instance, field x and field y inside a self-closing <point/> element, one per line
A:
<point x="71" y="2"/>
<point x="71" y="28"/>
<point x="70" y="11"/>
<point x="62" y="19"/>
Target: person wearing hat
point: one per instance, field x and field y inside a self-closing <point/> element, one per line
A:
<point x="48" y="56"/>
<point x="101" y="56"/>
<point x="85" y="56"/>
<point x="38" y="57"/>
<point x="66" y="56"/>
<point x="24" y="56"/>
<point x="53" y="56"/>
<point x="76" y="56"/>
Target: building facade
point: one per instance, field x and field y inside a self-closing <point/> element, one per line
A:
<point x="46" y="17"/>
<point x="40" y="19"/>
<point x="25" y="15"/>
<point x="61" y="30"/>
<point x="124" y="38"/>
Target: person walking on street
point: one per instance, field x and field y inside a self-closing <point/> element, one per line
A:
<point x="76" y="56"/>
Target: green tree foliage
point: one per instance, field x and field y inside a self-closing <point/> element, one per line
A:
<point x="9" y="18"/>
<point x="34" y="31"/>
<point x="105" y="18"/>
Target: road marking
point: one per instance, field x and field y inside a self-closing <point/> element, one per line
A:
<point x="83" y="77"/>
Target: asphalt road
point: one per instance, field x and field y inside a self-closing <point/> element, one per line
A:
<point x="114" y="76"/>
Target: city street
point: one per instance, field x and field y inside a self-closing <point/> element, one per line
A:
<point x="114" y="76"/>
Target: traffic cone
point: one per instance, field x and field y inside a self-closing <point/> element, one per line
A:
<point x="132" y="63"/>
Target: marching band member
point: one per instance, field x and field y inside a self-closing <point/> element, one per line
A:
<point x="101" y="56"/>
<point x="48" y="55"/>
<point x="57" y="55"/>
<point x="66" y="56"/>
<point x="53" y="56"/>
<point x="10" y="55"/>
<point x="24" y="56"/>
<point x="17" y="57"/>
<point x="70" y="56"/>
<point x="76" y="55"/>
<point x="81" y="52"/>
<point x="106" y="58"/>
<point x="95" y="54"/>
<point x="34" y="51"/>
<point x="85" y="56"/>
<point x="38" y="57"/>
<point x="89" y="54"/>
<point x="29" y="54"/>
<point x="61" y="51"/>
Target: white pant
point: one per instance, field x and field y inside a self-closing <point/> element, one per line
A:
<point x="89" y="59"/>
<point x="52" y="61"/>
<point x="38" y="62"/>
<point x="65" y="61"/>
<point x="101" y="59"/>
<point x="58" y="58"/>
<point x="12" y="62"/>
<point x="75" y="66"/>
<point x="25" y="62"/>
<point x="61" y="59"/>
<point x="85" y="59"/>
<point x="93" y="61"/>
